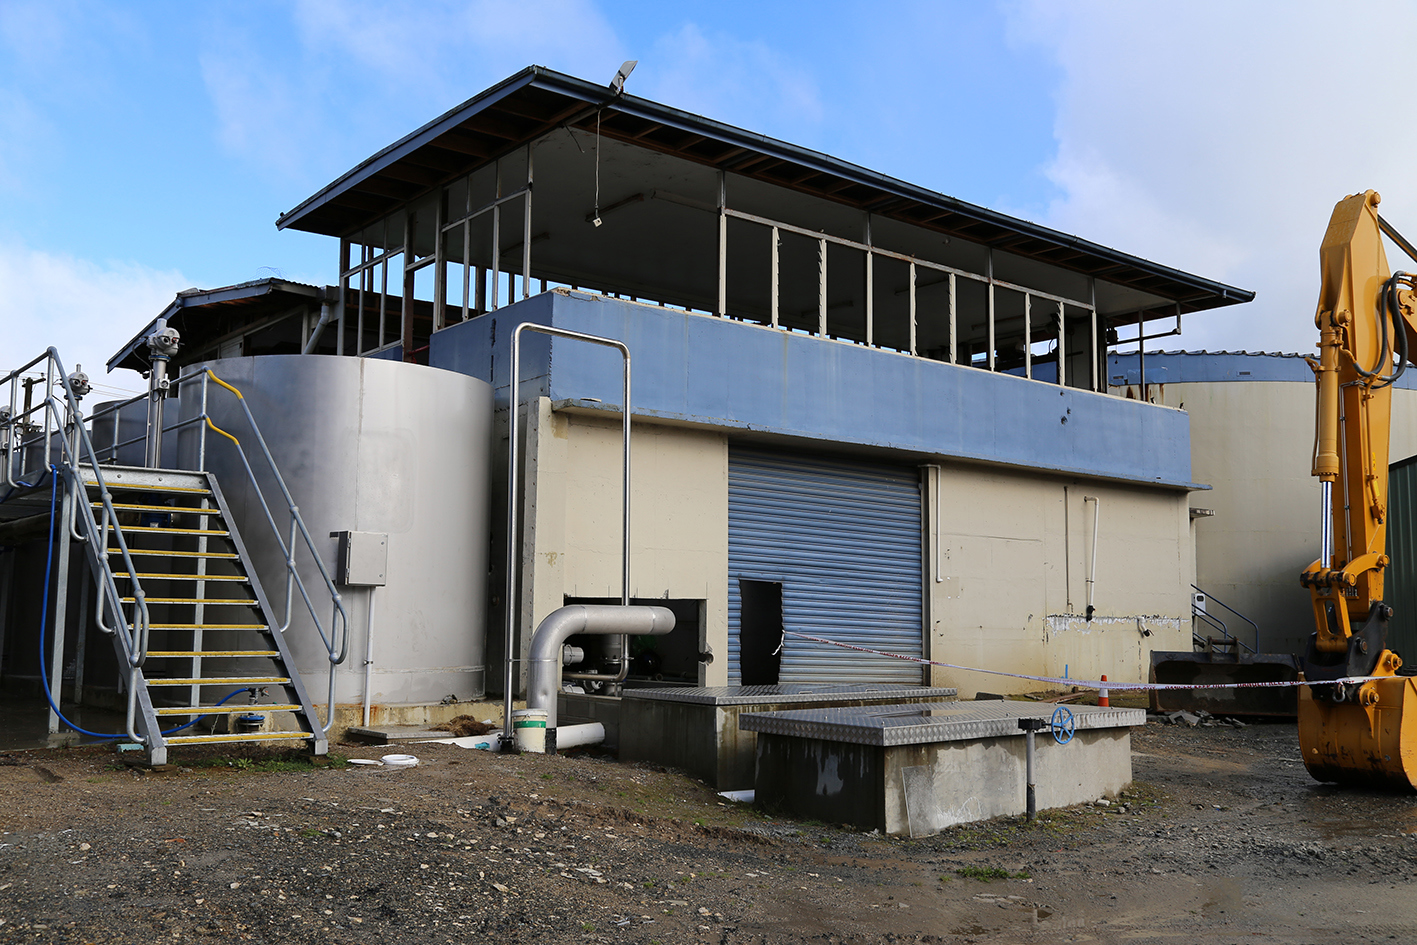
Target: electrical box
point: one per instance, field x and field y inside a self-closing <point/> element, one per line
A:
<point x="363" y="558"/>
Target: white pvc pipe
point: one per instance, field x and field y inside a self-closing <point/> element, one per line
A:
<point x="368" y="656"/>
<point x="574" y="736"/>
<point x="1092" y="570"/>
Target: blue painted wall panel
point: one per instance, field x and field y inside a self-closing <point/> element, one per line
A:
<point x="1200" y="367"/>
<point x="739" y="376"/>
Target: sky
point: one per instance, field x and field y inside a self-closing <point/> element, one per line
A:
<point x="148" y="147"/>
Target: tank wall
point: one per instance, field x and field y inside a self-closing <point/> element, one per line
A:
<point x="376" y="446"/>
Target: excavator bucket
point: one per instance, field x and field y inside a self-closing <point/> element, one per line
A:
<point x="1370" y="739"/>
<point x="1200" y="668"/>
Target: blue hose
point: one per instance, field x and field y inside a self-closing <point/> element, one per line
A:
<point x="44" y="624"/>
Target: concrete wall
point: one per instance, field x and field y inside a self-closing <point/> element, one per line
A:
<point x="1010" y="592"/>
<point x="679" y="518"/>
<point x="1252" y="433"/>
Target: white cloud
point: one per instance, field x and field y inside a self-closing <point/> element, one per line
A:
<point x="85" y="309"/>
<point x="360" y="75"/>
<point x="1216" y="137"/>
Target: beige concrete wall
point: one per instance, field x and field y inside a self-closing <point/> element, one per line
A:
<point x="1014" y="551"/>
<point x="679" y="519"/>
<point x="1252" y="441"/>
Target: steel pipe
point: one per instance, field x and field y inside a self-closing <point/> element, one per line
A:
<point x="544" y="663"/>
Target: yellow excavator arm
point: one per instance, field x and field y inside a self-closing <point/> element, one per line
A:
<point x="1364" y="731"/>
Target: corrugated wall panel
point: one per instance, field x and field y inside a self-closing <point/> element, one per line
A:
<point x="844" y="539"/>
<point x="1400" y="581"/>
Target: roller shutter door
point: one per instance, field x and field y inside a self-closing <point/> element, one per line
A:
<point x="843" y="539"/>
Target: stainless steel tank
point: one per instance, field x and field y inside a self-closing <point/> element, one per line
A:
<point x="371" y="446"/>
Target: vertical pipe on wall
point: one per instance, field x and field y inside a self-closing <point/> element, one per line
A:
<point x="61" y="603"/>
<point x="1141" y="353"/>
<point x="1096" y="352"/>
<point x="822" y="288"/>
<point x="776" y="242"/>
<point x="1062" y="347"/>
<point x="1027" y="335"/>
<point x="870" y="291"/>
<point x="440" y="263"/>
<point x="496" y="238"/>
<point x="953" y="310"/>
<point x="526" y="229"/>
<point x="722" y="244"/>
<point x="990" y="265"/>
<point x="912" y="310"/>
<point x="467" y="268"/>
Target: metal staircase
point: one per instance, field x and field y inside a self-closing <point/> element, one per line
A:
<point x="190" y="620"/>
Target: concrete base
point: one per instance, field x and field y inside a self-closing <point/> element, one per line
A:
<point x="574" y="707"/>
<point x="916" y="775"/>
<point x="697" y="730"/>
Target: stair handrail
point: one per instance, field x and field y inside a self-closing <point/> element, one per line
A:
<point x="336" y="641"/>
<point x="1211" y="598"/>
<point x="67" y="418"/>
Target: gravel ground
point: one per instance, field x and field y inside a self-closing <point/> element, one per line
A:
<point x="1222" y="838"/>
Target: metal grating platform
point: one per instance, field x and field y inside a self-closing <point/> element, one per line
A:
<point x="890" y="726"/>
<point x="791" y="693"/>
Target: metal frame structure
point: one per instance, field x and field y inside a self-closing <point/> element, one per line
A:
<point x="514" y="543"/>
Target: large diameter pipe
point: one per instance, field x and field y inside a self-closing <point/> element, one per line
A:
<point x="544" y="671"/>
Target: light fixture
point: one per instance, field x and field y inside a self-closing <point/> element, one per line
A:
<point x="617" y="84"/>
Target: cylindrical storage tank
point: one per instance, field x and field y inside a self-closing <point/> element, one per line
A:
<point x="119" y="436"/>
<point x="376" y="446"/>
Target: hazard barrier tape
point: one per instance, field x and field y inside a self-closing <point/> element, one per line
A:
<point x="1081" y="683"/>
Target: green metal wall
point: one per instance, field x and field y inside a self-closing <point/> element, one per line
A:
<point x="1400" y="583"/>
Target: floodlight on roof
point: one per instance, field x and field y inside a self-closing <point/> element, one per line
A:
<point x="617" y="84"/>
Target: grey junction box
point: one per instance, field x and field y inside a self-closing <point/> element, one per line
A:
<point x="363" y="559"/>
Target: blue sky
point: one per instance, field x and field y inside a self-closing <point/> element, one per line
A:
<point x="148" y="147"/>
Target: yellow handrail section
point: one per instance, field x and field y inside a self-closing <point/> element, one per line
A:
<point x="213" y="426"/>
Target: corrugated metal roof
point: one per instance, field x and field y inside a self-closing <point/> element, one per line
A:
<point x="538" y="100"/>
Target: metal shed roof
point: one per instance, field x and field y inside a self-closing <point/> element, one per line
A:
<point x="538" y="100"/>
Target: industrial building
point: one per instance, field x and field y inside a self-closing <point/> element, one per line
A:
<point x="862" y="411"/>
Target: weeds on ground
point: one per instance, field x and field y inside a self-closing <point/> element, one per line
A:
<point x="989" y="873"/>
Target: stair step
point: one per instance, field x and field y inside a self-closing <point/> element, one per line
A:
<point x="223" y="555"/>
<point x="223" y="709"/>
<point x="160" y="530"/>
<point x="224" y="654"/>
<point x="253" y="737"/>
<point x="160" y="576"/>
<point x="205" y="626"/>
<point x="166" y="509"/>
<point x="192" y="600"/>
<point x="132" y="478"/>
<point x="242" y="681"/>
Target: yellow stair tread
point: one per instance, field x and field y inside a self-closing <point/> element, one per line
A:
<point x="223" y="709"/>
<point x="225" y="555"/>
<point x="191" y="600"/>
<point x="253" y="737"/>
<point x="160" y="576"/>
<point x="164" y="509"/>
<point x="185" y="654"/>
<point x="204" y="626"/>
<point x="222" y="681"/>
<point x="134" y="487"/>
<point x="150" y="530"/>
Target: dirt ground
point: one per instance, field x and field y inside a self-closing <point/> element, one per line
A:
<point x="1222" y="838"/>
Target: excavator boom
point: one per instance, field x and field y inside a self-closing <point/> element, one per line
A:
<point x="1358" y="717"/>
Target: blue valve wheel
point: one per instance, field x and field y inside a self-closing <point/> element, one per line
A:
<point x="1063" y="725"/>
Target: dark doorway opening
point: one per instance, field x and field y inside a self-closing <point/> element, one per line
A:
<point x="760" y="631"/>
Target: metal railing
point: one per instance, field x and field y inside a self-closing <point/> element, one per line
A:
<point x="29" y="446"/>
<point x="1214" y="621"/>
<point x="20" y="437"/>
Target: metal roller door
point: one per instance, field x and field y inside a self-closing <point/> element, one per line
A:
<point x="843" y="540"/>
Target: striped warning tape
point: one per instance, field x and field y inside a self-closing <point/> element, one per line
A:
<point x="1080" y="683"/>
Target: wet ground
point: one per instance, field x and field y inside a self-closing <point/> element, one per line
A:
<point x="1222" y="838"/>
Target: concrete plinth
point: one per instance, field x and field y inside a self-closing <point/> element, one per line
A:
<point x="914" y="771"/>
<point x="697" y="730"/>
